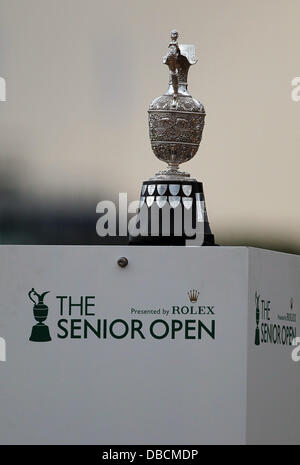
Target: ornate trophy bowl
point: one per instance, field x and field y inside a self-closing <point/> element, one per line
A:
<point x="175" y="133"/>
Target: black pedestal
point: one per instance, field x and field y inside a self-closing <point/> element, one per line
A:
<point x="40" y="333"/>
<point x="169" y="212"/>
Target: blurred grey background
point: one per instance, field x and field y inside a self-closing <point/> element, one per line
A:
<point x="80" y="75"/>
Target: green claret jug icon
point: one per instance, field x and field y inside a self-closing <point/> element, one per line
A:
<point x="257" y="297"/>
<point x="40" y="332"/>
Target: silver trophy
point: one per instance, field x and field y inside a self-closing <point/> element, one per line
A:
<point x="176" y="119"/>
<point x="176" y="122"/>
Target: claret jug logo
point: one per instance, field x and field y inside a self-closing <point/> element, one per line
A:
<point x="282" y="331"/>
<point x="193" y="295"/>
<point x="40" y="332"/>
<point x="257" y="297"/>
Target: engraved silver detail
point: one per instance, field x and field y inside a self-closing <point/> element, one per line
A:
<point x="174" y="201"/>
<point x="161" y="201"/>
<point x="161" y="188"/>
<point x="174" y="188"/>
<point x="151" y="188"/>
<point x="187" y="202"/>
<point x="149" y="201"/>
<point x="187" y="190"/>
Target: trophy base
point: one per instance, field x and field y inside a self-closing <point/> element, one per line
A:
<point x="172" y="212"/>
<point x="40" y="333"/>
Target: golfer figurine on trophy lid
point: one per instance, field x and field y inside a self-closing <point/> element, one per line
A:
<point x="172" y="204"/>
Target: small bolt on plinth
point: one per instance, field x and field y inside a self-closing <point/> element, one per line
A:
<point x="122" y="262"/>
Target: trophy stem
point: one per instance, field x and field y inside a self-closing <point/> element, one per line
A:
<point x="170" y="175"/>
<point x="172" y="172"/>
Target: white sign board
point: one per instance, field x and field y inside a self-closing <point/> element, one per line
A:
<point x="185" y="345"/>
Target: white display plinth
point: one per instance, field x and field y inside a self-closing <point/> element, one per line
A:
<point x="182" y="373"/>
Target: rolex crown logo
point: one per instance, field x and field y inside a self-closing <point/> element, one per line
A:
<point x="193" y="295"/>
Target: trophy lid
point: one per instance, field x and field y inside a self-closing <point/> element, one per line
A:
<point x="179" y="59"/>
